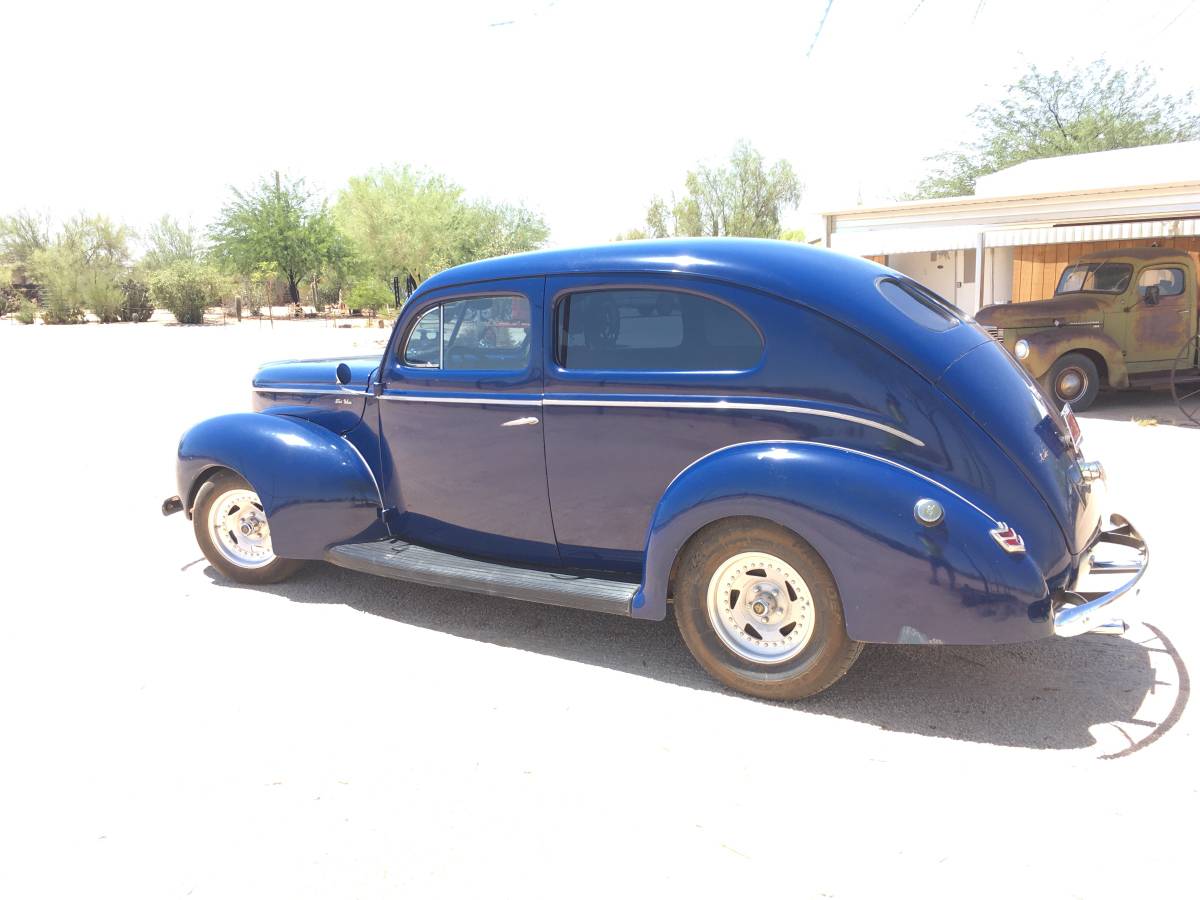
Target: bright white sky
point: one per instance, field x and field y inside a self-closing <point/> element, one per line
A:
<point x="582" y="109"/>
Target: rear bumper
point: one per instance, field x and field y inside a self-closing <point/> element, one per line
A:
<point x="1081" y="609"/>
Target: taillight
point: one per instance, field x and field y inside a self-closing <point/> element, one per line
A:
<point x="1074" y="432"/>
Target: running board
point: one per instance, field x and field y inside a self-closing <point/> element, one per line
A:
<point x="409" y="562"/>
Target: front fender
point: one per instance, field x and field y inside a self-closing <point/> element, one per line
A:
<point x="900" y="581"/>
<point x="315" y="486"/>
<point x="1047" y="346"/>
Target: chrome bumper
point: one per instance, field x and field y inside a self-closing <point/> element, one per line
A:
<point x="1080" y="611"/>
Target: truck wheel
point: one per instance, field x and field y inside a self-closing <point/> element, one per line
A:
<point x="760" y="611"/>
<point x="232" y="531"/>
<point x="1072" y="379"/>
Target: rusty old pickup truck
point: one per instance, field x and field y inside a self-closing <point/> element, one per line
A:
<point x="1119" y="319"/>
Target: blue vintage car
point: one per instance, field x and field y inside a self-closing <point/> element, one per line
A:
<point x="801" y="451"/>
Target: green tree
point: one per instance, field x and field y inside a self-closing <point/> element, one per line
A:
<point x="745" y="197"/>
<point x="169" y="242"/>
<point x="81" y="268"/>
<point x="278" y="227"/>
<point x="22" y="235"/>
<point x="793" y="234"/>
<point x="1055" y="114"/>
<point x="403" y="221"/>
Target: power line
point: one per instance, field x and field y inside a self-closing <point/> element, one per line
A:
<point x="1178" y="16"/>
<point x="820" y="27"/>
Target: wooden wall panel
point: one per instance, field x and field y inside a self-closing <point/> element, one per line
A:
<point x="1037" y="269"/>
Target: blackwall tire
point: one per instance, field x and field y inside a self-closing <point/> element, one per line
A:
<point x="1072" y="379"/>
<point x="789" y="639"/>
<point x="225" y="505"/>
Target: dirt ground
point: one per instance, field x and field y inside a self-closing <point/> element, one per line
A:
<point x="166" y="733"/>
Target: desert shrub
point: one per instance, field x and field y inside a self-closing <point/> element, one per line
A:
<point x="10" y="297"/>
<point x="103" y="298"/>
<point x="59" y="275"/>
<point x="370" y="294"/>
<point x="135" y="300"/>
<point x="185" y="288"/>
<point x="27" y="312"/>
<point x="60" y="310"/>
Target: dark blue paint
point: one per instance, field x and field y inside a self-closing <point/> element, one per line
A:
<point x="622" y="489"/>
<point x="315" y="490"/>
<point x="951" y="584"/>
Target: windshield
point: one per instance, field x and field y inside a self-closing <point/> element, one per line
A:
<point x="1105" y="278"/>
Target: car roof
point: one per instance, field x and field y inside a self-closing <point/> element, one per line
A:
<point x="768" y="265"/>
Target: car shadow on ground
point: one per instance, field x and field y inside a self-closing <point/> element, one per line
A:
<point x="1115" y="694"/>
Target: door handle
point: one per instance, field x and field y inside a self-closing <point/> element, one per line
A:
<point x="527" y="420"/>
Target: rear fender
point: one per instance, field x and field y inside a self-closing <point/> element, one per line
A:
<point x="900" y="581"/>
<point x="315" y="486"/>
<point x="1047" y="346"/>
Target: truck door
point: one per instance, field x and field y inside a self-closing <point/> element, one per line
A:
<point x="1157" y="331"/>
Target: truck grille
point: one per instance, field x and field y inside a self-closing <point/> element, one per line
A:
<point x="996" y="333"/>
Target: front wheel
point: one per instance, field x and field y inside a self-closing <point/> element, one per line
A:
<point x="232" y="531"/>
<point x="760" y="611"/>
<point x="1072" y="379"/>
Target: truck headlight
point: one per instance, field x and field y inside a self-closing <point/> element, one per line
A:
<point x="1021" y="349"/>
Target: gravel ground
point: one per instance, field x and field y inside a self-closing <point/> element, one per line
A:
<point x="166" y="733"/>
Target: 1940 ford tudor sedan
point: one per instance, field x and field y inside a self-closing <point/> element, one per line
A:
<point x="801" y="451"/>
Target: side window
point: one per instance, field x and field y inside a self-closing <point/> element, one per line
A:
<point x="644" y="330"/>
<point x="475" y="334"/>
<point x="486" y="333"/>
<point x="424" y="346"/>
<point x="1168" y="281"/>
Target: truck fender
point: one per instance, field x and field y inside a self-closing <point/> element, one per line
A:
<point x="900" y="581"/>
<point x="315" y="486"/>
<point x="1047" y="346"/>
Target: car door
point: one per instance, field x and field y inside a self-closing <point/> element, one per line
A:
<point x="1156" y="332"/>
<point x="639" y="374"/>
<point x="460" y="423"/>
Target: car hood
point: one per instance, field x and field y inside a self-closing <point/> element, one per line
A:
<point x="1036" y="313"/>
<point x="309" y="389"/>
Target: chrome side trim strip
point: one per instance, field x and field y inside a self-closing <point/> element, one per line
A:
<point x="741" y="405"/>
<point x="370" y="471"/>
<point x="285" y="390"/>
<point x="882" y="459"/>
<point x="478" y="401"/>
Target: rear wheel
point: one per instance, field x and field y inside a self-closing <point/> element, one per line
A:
<point x="760" y="611"/>
<point x="1072" y="379"/>
<point x="232" y="531"/>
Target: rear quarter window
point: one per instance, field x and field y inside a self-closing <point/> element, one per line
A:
<point x="924" y="307"/>
<point x="645" y="330"/>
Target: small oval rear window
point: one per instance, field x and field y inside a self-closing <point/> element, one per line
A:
<point x="924" y="307"/>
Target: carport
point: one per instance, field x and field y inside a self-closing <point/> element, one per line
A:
<point x="1011" y="240"/>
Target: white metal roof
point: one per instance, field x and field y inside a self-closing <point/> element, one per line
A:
<point x="1046" y="218"/>
<point x="1105" y="170"/>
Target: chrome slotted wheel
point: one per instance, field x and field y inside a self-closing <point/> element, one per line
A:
<point x="760" y="608"/>
<point x="239" y="529"/>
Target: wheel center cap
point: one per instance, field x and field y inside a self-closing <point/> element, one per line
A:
<point x="765" y="601"/>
